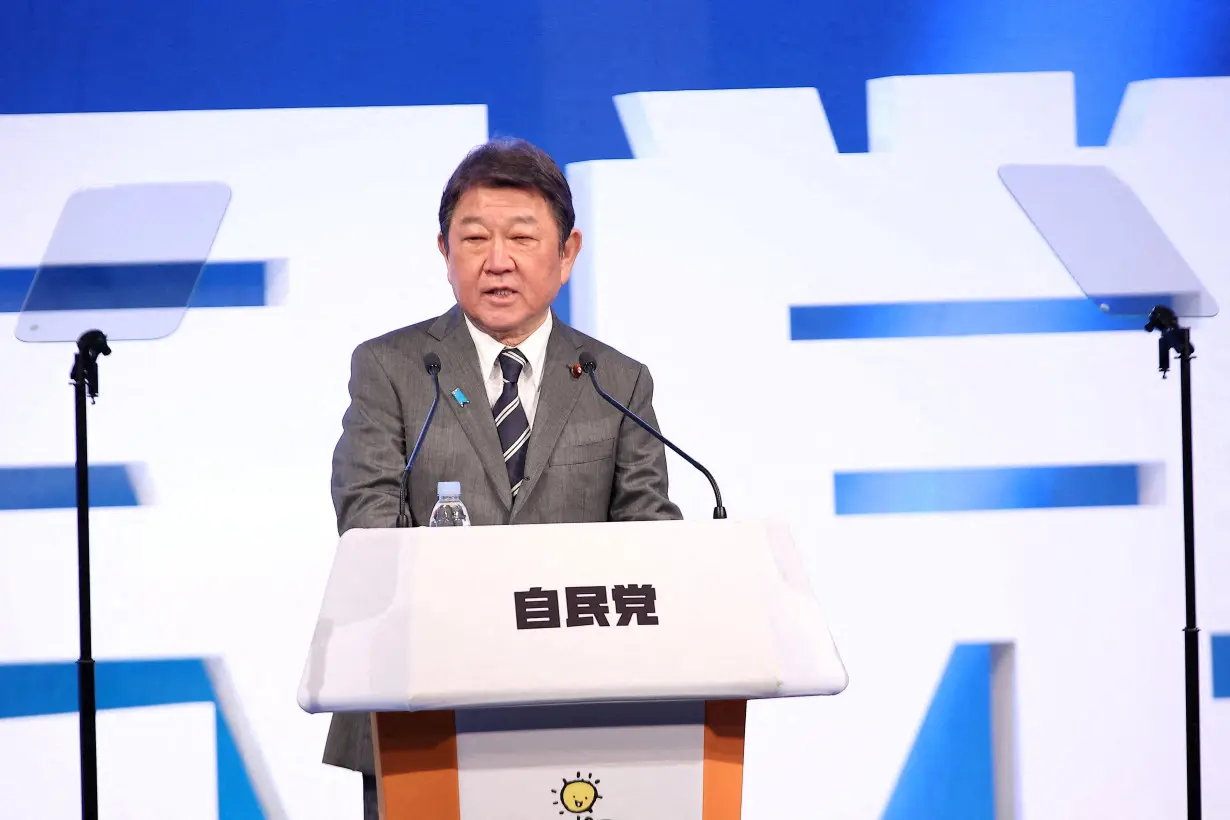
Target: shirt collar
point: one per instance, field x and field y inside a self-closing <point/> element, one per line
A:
<point x="533" y="348"/>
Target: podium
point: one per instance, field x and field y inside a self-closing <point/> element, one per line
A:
<point x="565" y="670"/>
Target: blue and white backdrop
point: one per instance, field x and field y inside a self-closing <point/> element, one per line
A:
<point x="990" y="508"/>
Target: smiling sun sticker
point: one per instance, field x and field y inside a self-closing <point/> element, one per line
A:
<point x="577" y="796"/>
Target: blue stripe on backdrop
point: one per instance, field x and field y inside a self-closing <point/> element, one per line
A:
<point x="1220" y="652"/>
<point x="29" y="690"/>
<point x="962" y="318"/>
<point x="987" y="488"/>
<point x="560" y="63"/>
<point x="221" y="284"/>
<point x="54" y="487"/>
<point x="37" y="689"/>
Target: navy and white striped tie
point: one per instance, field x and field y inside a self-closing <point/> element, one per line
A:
<point x="510" y="420"/>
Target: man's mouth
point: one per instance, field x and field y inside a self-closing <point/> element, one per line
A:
<point x="501" y="292"/>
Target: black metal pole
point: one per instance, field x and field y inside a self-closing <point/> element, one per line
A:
<point x="1191" y="640"/>
<point x="1175" y="337"/>
<point x="85" y="384"/>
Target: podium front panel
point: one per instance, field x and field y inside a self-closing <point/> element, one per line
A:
<point x="649" y="761"/>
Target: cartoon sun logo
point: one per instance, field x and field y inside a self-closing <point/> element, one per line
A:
<point x="577" y="796"/>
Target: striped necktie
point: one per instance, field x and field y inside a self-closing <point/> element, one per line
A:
<point x="510" y="420"/>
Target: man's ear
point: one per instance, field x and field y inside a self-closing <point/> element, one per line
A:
<point x="572" y="247"/>
<point x="442" y="244"/>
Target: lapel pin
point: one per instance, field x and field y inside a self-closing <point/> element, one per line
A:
<point x="575" y="370"/>
<point x="460" y="397"/>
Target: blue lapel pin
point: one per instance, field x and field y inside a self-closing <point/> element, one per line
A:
<point x="460" y="397"/>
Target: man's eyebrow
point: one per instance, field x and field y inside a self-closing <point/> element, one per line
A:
<point x="528" y="219"/>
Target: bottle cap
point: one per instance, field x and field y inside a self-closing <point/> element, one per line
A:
<point x="450" y="488"/>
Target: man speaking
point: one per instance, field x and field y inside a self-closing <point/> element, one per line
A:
<point x="529" y="442"/>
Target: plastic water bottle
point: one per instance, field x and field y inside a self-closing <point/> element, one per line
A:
<point x="449" y="511"/>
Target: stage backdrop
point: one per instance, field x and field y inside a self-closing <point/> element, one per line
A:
<point x="980" y="467"/>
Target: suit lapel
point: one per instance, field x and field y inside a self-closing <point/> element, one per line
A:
<point x="557" y="396"/>
<point x="460" y="360"/>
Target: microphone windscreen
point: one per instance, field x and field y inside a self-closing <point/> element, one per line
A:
<point x="432" y="362"/>
<point x="587" y="361"/>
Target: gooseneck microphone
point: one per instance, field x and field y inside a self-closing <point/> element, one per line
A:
<point x="405" y="516"/>
<point x="590" y="365"/>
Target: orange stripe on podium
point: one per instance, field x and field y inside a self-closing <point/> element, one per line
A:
<point x="725" y="722"/>
<point x="416" y="764"/>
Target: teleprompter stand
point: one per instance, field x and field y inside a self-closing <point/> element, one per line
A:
<point x="126" y="258"/>
<point x="1177" y="338"/>
<point x="1125" y="263"/>
<point x="91" y="345"/>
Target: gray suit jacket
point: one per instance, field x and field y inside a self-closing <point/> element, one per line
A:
<point x="585" y="462"/>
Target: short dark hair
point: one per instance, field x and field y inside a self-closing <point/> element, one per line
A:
<point x="510" y="163"/>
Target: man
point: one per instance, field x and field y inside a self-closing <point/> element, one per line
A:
<point x="529" y="442"/>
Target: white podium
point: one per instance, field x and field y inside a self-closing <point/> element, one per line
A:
<point x="574" y="670"/>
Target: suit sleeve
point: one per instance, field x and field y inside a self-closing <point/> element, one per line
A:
<point x="641" y="491"/>
<point x="370" y="455"/>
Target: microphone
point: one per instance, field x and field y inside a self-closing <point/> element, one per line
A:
<point x="590" y="365"/>
<point x="432" y="362"/>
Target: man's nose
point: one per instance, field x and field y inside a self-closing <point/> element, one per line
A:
<point x="499" y="260"/>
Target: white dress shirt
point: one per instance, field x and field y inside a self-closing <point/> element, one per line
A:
<point x="535" y="351"/>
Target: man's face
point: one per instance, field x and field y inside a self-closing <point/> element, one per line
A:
<point x="504" y="260"/>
